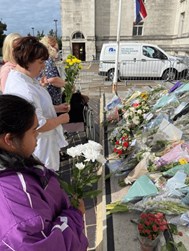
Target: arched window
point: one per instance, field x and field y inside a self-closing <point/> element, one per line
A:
<point x="78" y="35"/>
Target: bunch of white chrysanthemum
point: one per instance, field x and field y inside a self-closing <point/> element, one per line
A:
<point x="87" y="160"/>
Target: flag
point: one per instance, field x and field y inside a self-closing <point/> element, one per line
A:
<point x="139" y="11"/>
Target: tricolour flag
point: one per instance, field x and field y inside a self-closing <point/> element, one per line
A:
<point x="139" y="11"/>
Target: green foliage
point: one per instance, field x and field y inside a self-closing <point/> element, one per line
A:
<point x="51" y="33"/>
<point x="170" y="244"/>
<point x="3" y="27"/>
<point x="40" y="35"/>
<point x="117" y="207"/>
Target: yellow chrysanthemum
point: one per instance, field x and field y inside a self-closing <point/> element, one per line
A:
<point x="183" y="161"/>
<point x="144" y="95"/>
<point x="68" y="60"/>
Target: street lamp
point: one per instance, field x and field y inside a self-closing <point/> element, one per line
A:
<point x="33" y="31"/>
<point x="55" y="22"/>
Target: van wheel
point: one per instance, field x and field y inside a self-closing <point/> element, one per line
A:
<point x="110" y="74"/>
<point x="169" y="74"/>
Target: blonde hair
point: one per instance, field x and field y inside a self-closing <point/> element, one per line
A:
<point x="8" y="47"/>
<point x="51" y="43"/>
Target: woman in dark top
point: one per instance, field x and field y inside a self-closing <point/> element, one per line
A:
<point x="51" y="78"/>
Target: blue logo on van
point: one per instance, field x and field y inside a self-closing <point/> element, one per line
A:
<point x="112" y="49"/>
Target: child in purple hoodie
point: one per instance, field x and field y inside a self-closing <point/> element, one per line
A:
<point x="35" y="213"/>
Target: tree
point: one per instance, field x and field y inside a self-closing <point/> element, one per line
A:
<point x="40" y="35"/>
<point x="52" y="33"/>
<point x="3" y="27"/>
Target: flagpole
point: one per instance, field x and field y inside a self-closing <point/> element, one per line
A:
<point x="115" y="79"/>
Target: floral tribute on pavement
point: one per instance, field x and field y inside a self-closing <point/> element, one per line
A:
<point x="150" y="141"/>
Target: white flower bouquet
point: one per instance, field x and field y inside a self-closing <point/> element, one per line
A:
<point x="134" y="114"/>
<point x="87" y="160"/>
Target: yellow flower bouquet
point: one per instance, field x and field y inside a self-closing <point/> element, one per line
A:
<point x="72" y="68"/>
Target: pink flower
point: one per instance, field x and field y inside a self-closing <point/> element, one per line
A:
<point x="151" y="225"/>
<point x="135" y="104"/>
<point x="155" y="228"/>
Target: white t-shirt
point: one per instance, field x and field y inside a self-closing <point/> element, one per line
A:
<point x="48" y="143"/>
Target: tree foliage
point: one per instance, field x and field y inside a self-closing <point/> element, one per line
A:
<point x="52" y="33"/>
<point x="3" y="27"/>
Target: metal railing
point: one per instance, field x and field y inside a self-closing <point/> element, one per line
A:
<point x="96" y="76"/>
<point x="151" y="69"/>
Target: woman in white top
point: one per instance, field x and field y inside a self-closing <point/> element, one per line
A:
<point x="30" y="56"/>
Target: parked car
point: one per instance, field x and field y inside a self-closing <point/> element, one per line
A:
<point x="140" y="60"/>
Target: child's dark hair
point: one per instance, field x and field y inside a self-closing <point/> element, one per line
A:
<point x="16" y="115"/>
<point x="28" y="49"/>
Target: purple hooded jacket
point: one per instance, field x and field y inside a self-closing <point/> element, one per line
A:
<point x="35" y="213"/>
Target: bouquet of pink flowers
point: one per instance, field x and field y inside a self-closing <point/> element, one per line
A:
<point x="151" y="225"/>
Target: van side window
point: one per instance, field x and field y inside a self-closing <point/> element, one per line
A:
<point x="151" y="52"/>
<point x="158" y="54"/>
<point x="148" y="51"/>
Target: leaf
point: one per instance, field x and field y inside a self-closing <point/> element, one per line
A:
<point x="108" y="176"/>
<point x="67" y="187"/>
<point x="95" y="179"/>
<point x="117" y="207"/>
<point x="178" y="246"/>
<point x="173" y="228"/>
<point x="91" y="194"/>
<point x="181" y="247"/>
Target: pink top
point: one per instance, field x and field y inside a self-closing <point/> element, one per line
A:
<point x="4" y="71"/>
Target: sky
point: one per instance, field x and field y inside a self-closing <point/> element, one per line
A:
<point x="21" y="15"/>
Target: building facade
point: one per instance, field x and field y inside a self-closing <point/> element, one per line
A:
<point x="87" y="24"/>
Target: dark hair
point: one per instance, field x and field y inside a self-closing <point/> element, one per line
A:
<point x="28" y="49"/>
<point x="16" y="115"/>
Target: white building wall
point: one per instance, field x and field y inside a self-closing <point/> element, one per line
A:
<point x="78" y="16"/>
<point x="97" y="20"/>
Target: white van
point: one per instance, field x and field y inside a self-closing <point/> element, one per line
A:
<point x="140" y="60"/>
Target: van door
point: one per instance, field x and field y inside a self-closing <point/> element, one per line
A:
<point x="153" y="61"/>
<point x="129" y="60"/>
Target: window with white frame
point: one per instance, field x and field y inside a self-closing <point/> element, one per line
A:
<point x="138" y="29"/>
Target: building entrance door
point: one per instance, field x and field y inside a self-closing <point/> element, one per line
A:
<point x="78" y="50"/>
